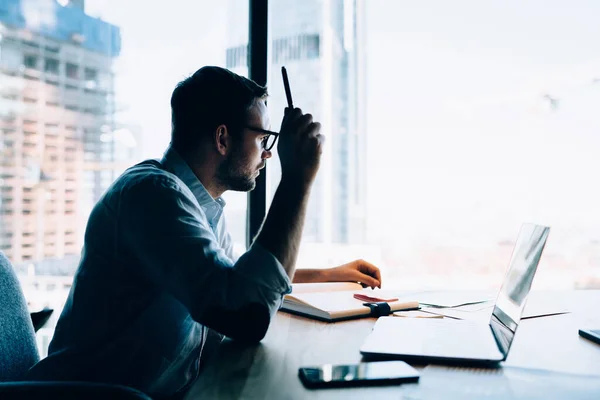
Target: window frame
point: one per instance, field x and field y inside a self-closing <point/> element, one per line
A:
<point x="257" y="71"/>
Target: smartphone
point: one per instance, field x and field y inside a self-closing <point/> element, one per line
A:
<point x="362" y="374"/>
<point x="593" y="335"/>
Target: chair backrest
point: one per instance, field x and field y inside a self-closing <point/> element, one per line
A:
<point x="18" y="349"/>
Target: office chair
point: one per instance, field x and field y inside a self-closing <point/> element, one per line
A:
<point x="18" y="353"/>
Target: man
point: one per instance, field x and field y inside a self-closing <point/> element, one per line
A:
<point x="157" y="271"/>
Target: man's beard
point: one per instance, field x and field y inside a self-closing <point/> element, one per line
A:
<point x="234" y="176"/>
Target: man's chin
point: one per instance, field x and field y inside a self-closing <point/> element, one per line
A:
<point x="244" y="186"/>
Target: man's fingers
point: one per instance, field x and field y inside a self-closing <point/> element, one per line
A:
<point x="291" y="115"/>
<point x="293" y="112"/>
<point x="369" y="269"/>
<point x="369" y="281"/>
<point x="300" y="146"/>
<point x="366" y="280"/>
<point x="302" y="123"/>
<point x="321" y="140"/>
<point x="313" y="129"/>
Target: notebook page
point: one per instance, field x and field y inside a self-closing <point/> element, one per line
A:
<point x="324" y="287"/>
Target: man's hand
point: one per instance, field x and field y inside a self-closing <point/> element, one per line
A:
<point x="300" y="147"/>
<point x="356" y="271"/>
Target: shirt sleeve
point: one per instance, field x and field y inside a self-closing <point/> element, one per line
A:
<point x="172" y="244"/>
<point x="226" y="240"/>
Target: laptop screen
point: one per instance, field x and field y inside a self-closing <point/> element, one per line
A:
<point x="515" y="288"/>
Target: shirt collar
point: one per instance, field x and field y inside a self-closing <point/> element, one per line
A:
<point x="174" y="163"/>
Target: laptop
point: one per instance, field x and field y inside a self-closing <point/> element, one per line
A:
<point x="464" y="342"/>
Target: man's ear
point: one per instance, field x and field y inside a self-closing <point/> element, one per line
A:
<point x="222" y="140"/>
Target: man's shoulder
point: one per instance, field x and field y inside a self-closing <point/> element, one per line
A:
<point x="146" y="175"/>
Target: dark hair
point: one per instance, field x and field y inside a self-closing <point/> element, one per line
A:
<point x="210" y="97"/>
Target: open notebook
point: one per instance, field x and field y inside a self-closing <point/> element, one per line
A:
<point x="335" y="301"/>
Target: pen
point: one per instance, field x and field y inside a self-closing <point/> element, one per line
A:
<point x="286" y="85"/>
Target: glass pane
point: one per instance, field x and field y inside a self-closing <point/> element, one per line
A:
<point x="476" y="118"/>
<point x="481" y="117"/>
<point x="84" y="94"/>
<point x="236" y="59"/>
<point x="322" y="45"/>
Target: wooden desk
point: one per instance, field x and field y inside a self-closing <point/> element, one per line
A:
<point x="270" y="370"/>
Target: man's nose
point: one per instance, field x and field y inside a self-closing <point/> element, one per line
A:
<point x="266" y="154"/>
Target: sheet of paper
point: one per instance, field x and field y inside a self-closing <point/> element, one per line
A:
<point x="473" y="312"/>
<point x="415" y="314"/>
<point x="453" y="299"/>
<point x="324" y="287"/>
<point x="535" y="309"/>
<point x="483" y="311"/>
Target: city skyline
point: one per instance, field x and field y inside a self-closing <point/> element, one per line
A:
<point x="62" y="145"/>
<point x="461" y="117"/>
<point x="321" y="44"/>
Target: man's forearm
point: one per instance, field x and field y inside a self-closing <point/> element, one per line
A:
<point x="310" y="276"/>
<point x="282" y="230"/>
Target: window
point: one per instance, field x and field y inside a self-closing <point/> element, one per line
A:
<point x="51" y="65"/>
<point x="52" y="49"/>
<point x="30" y="44"/>
<point x="72" y="71"/>
<point x="30" y="61"/>
<point x="297" y="47"/>
<point x="10" y="96"/>
<point x="431" y="168"/>
<point x="312" y="46"/>
<point x="116" y="63"/>
<point x="464" y="130"/>
<point x="237" y="57"/>
<point x="90" y="74"/>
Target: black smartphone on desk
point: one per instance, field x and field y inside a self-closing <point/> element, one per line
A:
<point x="593" y="335"/>
<point x="361" y="374"/>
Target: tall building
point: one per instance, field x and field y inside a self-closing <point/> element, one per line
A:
<point x="58" y="127"/>
<point x="322" y="45"/>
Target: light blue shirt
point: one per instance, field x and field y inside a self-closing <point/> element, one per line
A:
<point x="157" y="268"/>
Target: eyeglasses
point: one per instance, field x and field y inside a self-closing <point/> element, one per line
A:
<point x="269" y="141"/>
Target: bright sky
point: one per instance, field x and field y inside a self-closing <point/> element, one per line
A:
<point x="456" y="104"/>
<point x="460" y="87"/>
<point x="161" y="45"/>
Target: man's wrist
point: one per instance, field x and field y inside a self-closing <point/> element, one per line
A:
<point x="304" y="275"/>
<point x="324" y="275"/>
<point x="295" y="185"/>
